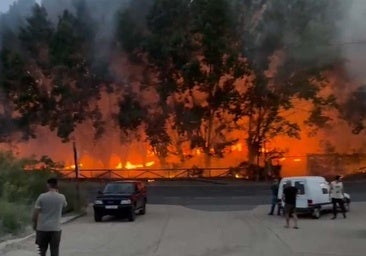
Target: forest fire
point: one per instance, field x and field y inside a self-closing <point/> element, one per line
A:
<point x="131" y="166"/>
<point x="132" y="108"/>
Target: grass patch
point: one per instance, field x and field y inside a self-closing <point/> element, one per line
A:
<point x="19" y="188"/>
<point x="14" y="217"/>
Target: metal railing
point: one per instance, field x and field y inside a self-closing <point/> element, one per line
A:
<point x="180" y="173"/>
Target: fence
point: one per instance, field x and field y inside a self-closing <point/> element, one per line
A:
<point x="115" y="174"/>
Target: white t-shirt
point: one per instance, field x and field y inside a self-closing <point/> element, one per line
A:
<point x="336" y="190"/>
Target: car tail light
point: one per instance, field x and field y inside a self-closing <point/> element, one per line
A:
<point x="310" y="202"/>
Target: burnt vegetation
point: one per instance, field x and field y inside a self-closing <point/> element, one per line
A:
<point x="214" y="67"/>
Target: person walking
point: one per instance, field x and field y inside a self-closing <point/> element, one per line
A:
<point x="289" y="197"/>
<point x="274" y="190"/>
<point x="47" y="219"/>
<point x="337" y="195"/>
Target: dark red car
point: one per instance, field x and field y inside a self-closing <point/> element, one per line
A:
<point x="121" y="199"/>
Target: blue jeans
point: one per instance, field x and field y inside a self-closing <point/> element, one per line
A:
<point x="273" y="206"/>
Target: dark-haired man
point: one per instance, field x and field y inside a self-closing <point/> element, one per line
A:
<point x="289" y="196"/>
<point x="47" y="219"/>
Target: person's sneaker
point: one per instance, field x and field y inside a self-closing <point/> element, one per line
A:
<point x="270" y="213"/>
<point x="296" y="227"/>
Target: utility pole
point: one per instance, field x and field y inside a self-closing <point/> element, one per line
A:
<point x="77" y="172"/>
<point x="76" y="162"/>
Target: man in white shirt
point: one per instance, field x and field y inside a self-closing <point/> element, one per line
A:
<point x="336" y="193"/>
<point x="47" y="219"/>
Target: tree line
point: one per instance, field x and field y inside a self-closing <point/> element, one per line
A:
<point x="220" y="71"/>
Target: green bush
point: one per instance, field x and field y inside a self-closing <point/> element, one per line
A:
<point x="19" y="189"/>
<point x="14" y="217"/>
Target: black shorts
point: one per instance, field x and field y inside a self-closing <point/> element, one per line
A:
<point x="46" y="238"/>
<point x="290" y="208"/>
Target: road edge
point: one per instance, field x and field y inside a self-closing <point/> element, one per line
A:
<point x="64" y="220"/>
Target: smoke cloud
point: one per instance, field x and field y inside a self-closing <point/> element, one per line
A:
<point x="352" y="38"/>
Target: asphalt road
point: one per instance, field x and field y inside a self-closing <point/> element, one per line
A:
<point x="223" y="195"/>
<point x="168" y="230"/>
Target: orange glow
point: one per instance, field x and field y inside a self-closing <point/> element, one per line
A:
<point x="130" y="166"/>
<point x="71" y="167"/>
<point x="149" y="164"/>
<point x="237" y="147"/>
<point x="297" y="160"/>
<point x="282" y="159"/>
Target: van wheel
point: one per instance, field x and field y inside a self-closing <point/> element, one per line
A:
<point x="347" y="206"/>
<point x="316" y="213"/>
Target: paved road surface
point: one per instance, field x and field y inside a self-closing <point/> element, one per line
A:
<point x="180" y="231"/>
<point x="204" y="219"/>
<point x="227" y="195"/>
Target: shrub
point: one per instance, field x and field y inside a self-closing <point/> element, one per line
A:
<point x="14" y="217"/>
<point x="19" y="189"/>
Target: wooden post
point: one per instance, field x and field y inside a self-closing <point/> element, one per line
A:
<point x="77" y="175"/>
<point x="76" y="162"/>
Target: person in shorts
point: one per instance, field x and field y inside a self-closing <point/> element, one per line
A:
<point x="289" y="197"/>
<point x="47" y="219"/>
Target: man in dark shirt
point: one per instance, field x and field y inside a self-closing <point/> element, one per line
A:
<point x="289" y="196"/>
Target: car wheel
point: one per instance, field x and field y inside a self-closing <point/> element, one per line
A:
<point x="347" y="206"/>
<point x="316" y="213"/>
<point x="132" y="214"/>
<point x="97" y="217"/>
<point x="143" y="209"/>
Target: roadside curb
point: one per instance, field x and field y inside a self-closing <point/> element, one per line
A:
<point x="211" y="181"/>
<point x="64" y="220"/>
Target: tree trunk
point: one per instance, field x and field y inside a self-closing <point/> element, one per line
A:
<point x="163" y="163"/>
<point x="208" y="140"/>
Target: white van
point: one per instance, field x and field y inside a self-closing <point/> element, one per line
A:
<point x="313" y="194"/>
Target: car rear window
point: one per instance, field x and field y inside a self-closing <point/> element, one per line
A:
<point x="123" y="188"/>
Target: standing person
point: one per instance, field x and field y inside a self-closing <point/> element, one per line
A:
<point x="47" y="219"/>
<point x="289" y="196"/>
<point x="274" y="190"/>
<point x="337" y="195"/>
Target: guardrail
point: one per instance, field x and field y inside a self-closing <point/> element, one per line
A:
<point x="155" y="173"/>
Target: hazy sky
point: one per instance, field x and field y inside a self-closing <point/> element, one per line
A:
<point x="4" y="4"/>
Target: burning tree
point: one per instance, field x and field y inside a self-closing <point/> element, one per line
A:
<point x="354" y="110"/>
<point x="191" y="51"/>
<point x="288" y="46"/>
<point x="220" y="72"/>
<point x="54" y="84"/>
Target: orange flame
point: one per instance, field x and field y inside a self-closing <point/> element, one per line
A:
<point x="131" y="166"/>
<point x="71" y="167"/>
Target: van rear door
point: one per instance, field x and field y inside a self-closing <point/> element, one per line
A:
<point x="302" y="197"/>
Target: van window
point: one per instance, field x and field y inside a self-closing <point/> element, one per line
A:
<point x="324" y="188"/>
<point x="300" y="185"/>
